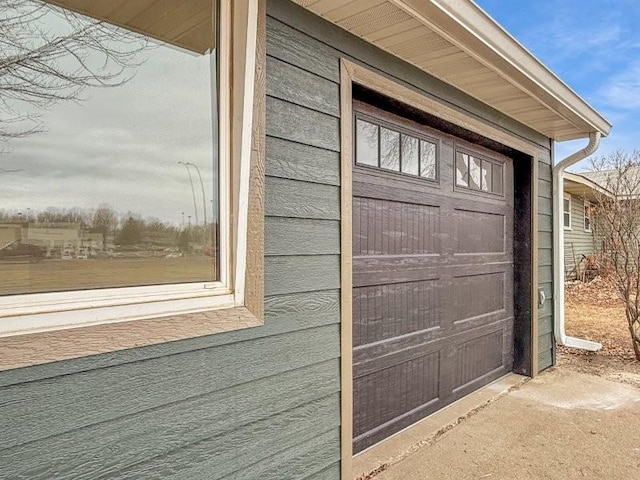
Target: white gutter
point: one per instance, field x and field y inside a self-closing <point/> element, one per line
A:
<point x="558" y="246"/>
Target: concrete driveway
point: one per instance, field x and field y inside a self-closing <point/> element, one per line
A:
<point x="561" y="425"/>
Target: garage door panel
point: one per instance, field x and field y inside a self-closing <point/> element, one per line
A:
<point x="378" y="356"/>
<point x="477" y="357"/>
<point x="463" y="326"/>
<point x="508" y="343"/>
<point x="371" y="358"/>
<point x="391" y="399"/>
<point x="479" y="232"/>
<point x="480" y="201"/>
<point x="393" y="310"/>
<point x="426" y="194"/>
<point x="384" y="227"/>
<point x="394" y="269"/>
<point x="372" y="179"/>
<point x="476" y="295"/>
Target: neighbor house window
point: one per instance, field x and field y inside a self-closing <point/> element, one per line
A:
<point x="566" y="211"/>
<point x="118" y="193"/>
<point x="394" y="149"/>
<point x="587" y="215"/>
<point x="476" y="173"/>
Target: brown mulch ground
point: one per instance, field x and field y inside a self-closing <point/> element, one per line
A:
<point x="594" y="312"/>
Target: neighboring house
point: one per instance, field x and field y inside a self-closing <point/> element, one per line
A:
<point x="385" y="229"/>
<point x="581" y="193"/>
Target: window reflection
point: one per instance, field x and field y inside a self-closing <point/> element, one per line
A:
<point x="427" y="160"/>
<point x="462" y="170"/>
<point x="389" y="149"/>
<point x="474" y="173"/>
<point x="120" y="187"/>
<point x="496" y="184"/>
<point x="410" y="154"/>
<point x="479" y="174"/>
<point x="384" y="147"/>
<point x="366" y="143"/>
<point x="486" y="177"/>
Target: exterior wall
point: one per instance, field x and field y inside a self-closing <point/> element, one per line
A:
<point x="546" y="343"/>
<point x="577" y="241"/>
<point x="257" y="403"/>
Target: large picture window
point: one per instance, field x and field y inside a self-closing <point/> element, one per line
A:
<point x="115" y="178"/>
<point x="118" y="187"/>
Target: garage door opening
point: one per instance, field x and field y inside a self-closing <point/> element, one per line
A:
<point x="434" y="246"/>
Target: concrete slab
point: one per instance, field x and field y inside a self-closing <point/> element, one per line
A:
<point x="404" y="443"/>
<point x="561" y="425"/>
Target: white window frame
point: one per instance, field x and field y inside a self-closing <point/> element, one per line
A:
<point x="31" y="313"/>
<point x="567" y="196"/>
<point x="587" y="204"/>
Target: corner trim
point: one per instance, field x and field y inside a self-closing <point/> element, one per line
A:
<point x="534" y="270"/>
<point x="346" y="269"/>
<point x="254" y="276"/>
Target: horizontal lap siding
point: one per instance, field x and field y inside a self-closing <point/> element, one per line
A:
<point x="546" y="346"/>
<point x="258" y="403"/>
<point x="577" y="242"/>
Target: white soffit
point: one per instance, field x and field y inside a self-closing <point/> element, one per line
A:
<point x="185" y="23"/>
<point x="576" y="184"/>
<point x="457" y="42"/>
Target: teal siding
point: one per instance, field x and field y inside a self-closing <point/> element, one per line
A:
<point x="255" y="403"/>
<point x="546" y="345"/>
<point x="577" y="241"/>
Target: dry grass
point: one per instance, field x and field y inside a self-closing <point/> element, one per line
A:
<point x="62" y="275"/>
<point x="594" y="312"/>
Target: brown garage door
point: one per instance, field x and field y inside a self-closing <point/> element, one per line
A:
<point x="432" y="271"/>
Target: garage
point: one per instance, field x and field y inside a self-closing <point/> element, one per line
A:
<point x="433" y="281"/>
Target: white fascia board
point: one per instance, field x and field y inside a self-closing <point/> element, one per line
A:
<point x="467" y="26"/>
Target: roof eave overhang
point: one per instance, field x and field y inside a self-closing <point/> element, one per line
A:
<point x="467" y="27"/>
<point x="576" y="183"/>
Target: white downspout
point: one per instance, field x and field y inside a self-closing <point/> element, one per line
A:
<point x="558" y="246"/>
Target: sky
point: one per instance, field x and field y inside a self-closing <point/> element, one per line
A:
<point x="593" y="46"/>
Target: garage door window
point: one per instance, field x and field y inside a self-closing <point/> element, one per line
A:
<point x="478" y="174"/>
<point x="393" y="149"/>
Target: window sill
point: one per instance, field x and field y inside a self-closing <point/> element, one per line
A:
<point x="44" y="347"/>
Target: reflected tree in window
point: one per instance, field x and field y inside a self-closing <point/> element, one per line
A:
<point x="41" y="65"/>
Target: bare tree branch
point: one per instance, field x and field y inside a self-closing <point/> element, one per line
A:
<point x="49" y="55"/>
<point x="618" y="221"/>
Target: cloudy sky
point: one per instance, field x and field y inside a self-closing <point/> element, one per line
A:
<point x="594" y="47"/>
<point x="122" y="145"/>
